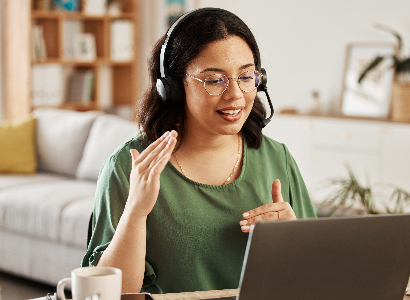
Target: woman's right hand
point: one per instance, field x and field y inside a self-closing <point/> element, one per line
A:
<point x="145" y="174"/>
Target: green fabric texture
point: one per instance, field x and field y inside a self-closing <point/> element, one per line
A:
<point x="194" y="240"/>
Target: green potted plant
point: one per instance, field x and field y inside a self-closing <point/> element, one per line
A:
<point x="349" y="197"/>
<point x="400" y="94"/>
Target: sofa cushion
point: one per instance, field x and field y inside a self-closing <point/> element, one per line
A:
<point x="17" y="147"/>
<point x="61" y="137"/>
<point x="107" y="133"/>
<point x="35" y="207"/>
<point x="8" y="181"/>
<point x="74" y="222"/>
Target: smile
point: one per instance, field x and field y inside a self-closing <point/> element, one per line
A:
<point x="230" y="112"/>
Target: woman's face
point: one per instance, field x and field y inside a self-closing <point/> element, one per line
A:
<point x="224" y="114"/>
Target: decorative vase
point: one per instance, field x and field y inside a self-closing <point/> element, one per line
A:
<point x="400" y="98"/>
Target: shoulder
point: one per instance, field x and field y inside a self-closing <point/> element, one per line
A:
<point x="271" y="157"/>
<point x="271" y="144"/>
<point x="121" y="156"/>
<point x="270" y="147"/>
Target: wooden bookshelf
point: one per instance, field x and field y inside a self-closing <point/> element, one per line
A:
<point x="20" y="61"/>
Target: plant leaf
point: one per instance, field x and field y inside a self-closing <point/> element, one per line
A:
<point x="372" y="65"/>
<point x="403" y="65"/>
<point x="391" y="31"/>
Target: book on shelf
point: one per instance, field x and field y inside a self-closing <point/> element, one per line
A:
<point x="47" y="85"/>
<point x="71" y="28"/>
<point x="81" y="86"/>
<point x="114" y="9"/>
<point x="67" y="5"/>
<point x="95" y="7"/>
<point x="39" y="50"/>
<point x="122" y="40"/>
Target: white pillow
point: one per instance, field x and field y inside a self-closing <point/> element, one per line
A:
<point x="108" y="132"/>
<point x="61" y="136"/>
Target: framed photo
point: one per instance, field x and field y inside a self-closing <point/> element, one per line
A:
<point x="371" y="97"/>
<point x="84" y="47"/>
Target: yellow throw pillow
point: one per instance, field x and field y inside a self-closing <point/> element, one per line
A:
<point x="17" y="146"/>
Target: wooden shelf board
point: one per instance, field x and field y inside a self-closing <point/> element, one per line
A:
<point x="55" y="14"/>
<point x="83" y="63"/>
<point x="79" y="106"/>
<point x="46" y="61"/>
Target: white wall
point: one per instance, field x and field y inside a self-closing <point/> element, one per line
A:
<point x="302" y="43"/>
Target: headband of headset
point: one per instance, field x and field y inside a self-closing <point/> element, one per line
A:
<point x="164" y="53"/>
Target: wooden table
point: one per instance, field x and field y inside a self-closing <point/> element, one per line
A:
<point x="206" y="295"/>
<point x="197" y="295"/>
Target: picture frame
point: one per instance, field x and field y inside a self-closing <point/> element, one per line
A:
<point x="84" y="47"/>
<point x="371" y="97"/>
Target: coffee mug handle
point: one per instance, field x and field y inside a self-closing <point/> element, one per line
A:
<point x="60" y="288"/>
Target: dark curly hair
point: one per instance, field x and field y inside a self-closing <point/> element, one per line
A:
<point x="188" y="39"/>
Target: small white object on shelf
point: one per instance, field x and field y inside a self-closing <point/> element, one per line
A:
<point x="84" y="49"/>
<point x="114" y="9"/>
<point x="95" y="7"/>
<point x="122" y="40"/>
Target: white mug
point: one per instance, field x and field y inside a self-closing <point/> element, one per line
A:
<point x="89" y="281"/>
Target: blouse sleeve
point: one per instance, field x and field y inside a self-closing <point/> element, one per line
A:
<point x="109" y="203"/>
<point x="298" y="194"/>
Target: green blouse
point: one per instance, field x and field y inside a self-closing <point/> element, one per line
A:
<point x="194" y="240"/>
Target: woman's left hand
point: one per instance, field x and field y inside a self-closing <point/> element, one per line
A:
<point x="278" y="210"/>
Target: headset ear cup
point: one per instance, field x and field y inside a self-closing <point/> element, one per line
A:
<point x="177" y="91"/>
<point x="163" y="89"/>
<point x="169" y="90"/>
<point x="262" y="87"/>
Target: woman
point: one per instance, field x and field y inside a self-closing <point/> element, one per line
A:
<point x="174" y="205"/>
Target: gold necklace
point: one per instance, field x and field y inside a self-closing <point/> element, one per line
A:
<point x="234" y="167"/>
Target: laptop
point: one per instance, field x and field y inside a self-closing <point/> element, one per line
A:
<point x="366" y="257"/>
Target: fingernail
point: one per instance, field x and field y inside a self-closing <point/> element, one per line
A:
<point x="245" y="228"/>
<point x="243" y="222"/>
<point x="245" y="215"/>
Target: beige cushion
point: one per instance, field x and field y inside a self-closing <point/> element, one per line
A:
<point x="61" y="137"/>
<point x="107" y="133"/>
<point x="38" y="206"/>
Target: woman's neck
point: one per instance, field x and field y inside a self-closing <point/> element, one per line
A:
<point x="210" y="159"/>
<point x="202" y="144"/>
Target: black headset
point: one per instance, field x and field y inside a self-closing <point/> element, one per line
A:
<point x="171" y="91"/>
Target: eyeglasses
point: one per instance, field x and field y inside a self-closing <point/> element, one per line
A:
<point x="216" y="84"/>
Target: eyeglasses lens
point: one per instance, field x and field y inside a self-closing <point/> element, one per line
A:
<point x="216" y="84"/>
<point x="249" y="81"/>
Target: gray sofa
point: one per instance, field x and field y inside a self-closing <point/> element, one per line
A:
<point x="44" y="216"/>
